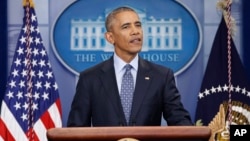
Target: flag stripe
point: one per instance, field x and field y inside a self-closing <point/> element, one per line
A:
<point x="5" y="132"/>
<point x="33" y="136"/>
<point x="55" y="113"/>
<point x="11" y="124"/>
<point x="1" y="139"/>
<point x="47" y="120"/>
<point x="40" y="130"/>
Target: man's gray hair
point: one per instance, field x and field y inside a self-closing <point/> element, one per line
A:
<point x="112" y="14"/>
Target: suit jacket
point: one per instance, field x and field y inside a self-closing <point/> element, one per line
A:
<point x="97" y="101"/>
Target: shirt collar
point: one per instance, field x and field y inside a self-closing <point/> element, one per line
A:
<point x="119" y="63"/>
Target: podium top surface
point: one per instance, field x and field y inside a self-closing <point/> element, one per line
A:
<point x="144" y="133"/>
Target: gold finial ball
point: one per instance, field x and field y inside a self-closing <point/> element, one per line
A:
<point x="127" y="139"/>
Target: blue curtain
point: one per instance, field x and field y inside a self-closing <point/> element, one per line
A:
<point x="3" y="47"/>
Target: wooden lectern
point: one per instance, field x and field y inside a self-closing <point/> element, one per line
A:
<point x="141" y="133"/>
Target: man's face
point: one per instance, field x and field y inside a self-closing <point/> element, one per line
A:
<point x="127" y="34"/>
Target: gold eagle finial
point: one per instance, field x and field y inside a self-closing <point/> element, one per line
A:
<point x="218" y="126"/>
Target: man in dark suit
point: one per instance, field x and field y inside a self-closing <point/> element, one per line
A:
<point x="97" y="101"/>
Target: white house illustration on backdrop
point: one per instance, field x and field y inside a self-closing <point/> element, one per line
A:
<point x="159" y="34"/>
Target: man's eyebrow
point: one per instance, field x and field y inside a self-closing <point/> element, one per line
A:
<point x="137" y="22"/>
<point x="125" y="24"/>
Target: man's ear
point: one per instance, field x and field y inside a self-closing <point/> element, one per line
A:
<point x="109" y="37"/>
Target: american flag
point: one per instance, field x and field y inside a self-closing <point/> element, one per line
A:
<point x="31" y="103"/>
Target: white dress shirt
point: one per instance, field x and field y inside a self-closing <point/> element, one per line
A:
<point x="120" y="70"/>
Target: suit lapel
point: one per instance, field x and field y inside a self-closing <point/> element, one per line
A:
<point x="142" y="82"/>
<point x="109" y="82"/>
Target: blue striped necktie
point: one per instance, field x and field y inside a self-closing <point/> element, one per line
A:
<point x="127" y="90"/>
